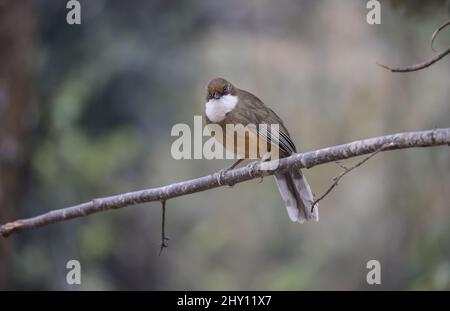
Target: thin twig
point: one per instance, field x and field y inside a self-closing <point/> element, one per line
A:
<point x="164" y="239"/>
<point x="419" y="66"/>
<point x="426" y="63"/>
<point x="341" y="165"/>
<point x="347" y="170"/>
<point x="435" y="137"/>
<point x="436" y="32"/>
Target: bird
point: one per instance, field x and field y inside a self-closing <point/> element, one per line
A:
<point x="227" y="104"/>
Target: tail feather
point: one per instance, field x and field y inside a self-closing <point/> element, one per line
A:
<point x="305" y="194"/>
<point x="297" y="196"/>
<point x="287" y="191"/>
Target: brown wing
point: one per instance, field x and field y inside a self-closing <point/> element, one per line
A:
<point x="253" y="111"/>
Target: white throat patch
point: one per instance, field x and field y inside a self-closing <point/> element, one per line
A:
<point x="216" y="109"/>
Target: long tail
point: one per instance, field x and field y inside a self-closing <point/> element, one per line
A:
<point x="297" y="196"/>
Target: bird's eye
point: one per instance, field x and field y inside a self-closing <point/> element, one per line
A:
<point x="225" y="89"/>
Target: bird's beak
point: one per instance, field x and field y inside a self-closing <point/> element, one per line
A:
<point x="216" y="95"/>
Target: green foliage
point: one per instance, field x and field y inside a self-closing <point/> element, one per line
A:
<point x="420" y="7"/>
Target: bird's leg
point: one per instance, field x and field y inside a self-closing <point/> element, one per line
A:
<point x="222" y="171"/>
<point x="232" y="166"/>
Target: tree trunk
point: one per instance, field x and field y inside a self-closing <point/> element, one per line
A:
<point x="17" y="25"/>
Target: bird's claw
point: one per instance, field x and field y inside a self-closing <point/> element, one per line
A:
<point x="252" y="167"/>
<point x="220" y="176"/>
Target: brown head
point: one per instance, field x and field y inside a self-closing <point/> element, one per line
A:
<point x="219" y="87"/>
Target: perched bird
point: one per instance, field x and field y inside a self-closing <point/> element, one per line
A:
<point x="226" y="104"/>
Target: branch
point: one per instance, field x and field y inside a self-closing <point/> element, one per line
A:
<point x="164" y="239"/>
<point x="310" y="159"/>
<point x="419" y="66"/>
<point x="436" y="32"/>
<point x="346" y="171"/>
<point x="426" y="63"/>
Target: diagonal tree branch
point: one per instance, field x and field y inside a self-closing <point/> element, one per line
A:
<point x="310" y="159"/>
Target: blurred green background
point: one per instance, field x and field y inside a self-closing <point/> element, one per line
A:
<point x="86" y="111"/>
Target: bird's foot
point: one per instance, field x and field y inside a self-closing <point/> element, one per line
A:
<point x="220" y="173"/>
<point x="252" y="166"/>
<point x="220" y="176"/>
<point x="252" y="169"/>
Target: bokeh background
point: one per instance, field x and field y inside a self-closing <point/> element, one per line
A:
<point x="86" y="111"/>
